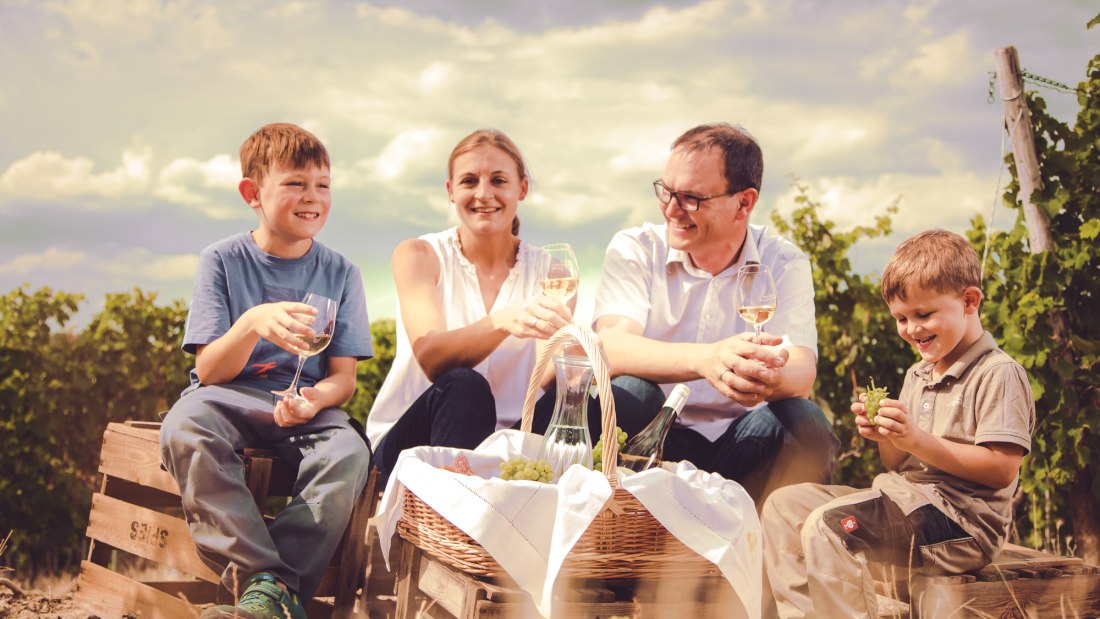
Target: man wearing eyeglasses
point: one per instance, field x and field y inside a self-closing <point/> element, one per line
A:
<point x="666" y="313"/>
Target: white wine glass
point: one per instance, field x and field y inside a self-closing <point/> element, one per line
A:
<point x="755" y="295"/>
<point x="560" y="273"/>
<point x="323" y="325"/>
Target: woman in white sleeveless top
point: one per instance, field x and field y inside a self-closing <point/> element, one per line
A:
<point x="470" y="312"/>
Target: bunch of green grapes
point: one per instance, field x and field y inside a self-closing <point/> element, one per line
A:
<point x="597" y="449"/>
<point x="524" y="468"/>
<point x="875" y="396"/>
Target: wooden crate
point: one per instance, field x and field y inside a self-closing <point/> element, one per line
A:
<point x="137" y="514"/>
<point x="428" y="588"/>
<point x="1020" y="582"/>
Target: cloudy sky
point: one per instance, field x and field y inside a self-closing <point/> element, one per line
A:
<point x="120" y="120"/>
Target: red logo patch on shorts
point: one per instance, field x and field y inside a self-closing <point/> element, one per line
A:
<point x="849" y="524"/>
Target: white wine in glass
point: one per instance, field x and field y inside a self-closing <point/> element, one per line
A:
<point x="560" y="273"/>
<point x="755" y="295"/>
<point x="323" y="325"/>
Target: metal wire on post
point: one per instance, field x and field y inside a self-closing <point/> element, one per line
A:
<point x="996" y="198"/>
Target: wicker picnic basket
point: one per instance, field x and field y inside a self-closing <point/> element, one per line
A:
<point x="624" y="541"/>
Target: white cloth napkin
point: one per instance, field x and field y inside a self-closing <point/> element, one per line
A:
<point x="711" y="515"/>
<point x="529" y="528"/>
<point x="512" y="520"/>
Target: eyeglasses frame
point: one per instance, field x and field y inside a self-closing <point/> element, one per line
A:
<point x="659" y="187"/>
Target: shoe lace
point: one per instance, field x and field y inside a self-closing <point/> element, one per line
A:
<point x="262" y="597"/>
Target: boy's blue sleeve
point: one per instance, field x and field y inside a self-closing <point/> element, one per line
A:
<point x="208" y="318"/>
<point x="352" y="338"/>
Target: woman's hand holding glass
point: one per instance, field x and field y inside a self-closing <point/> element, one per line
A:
<point x="551" y="310"/>
<point x="540" y="317"/>
<point x="561" y="275"/>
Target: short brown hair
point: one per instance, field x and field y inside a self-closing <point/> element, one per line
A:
<point x="490" y="137"/>
<point x="281" y="144"/>
<point x="743" y="160"/>
<point x="932" y="260"/>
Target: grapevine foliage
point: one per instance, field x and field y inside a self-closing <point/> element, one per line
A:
<point x="856" y="335"/>
<point x="1025" y="294"/>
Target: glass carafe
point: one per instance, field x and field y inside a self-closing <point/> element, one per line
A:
<point x="567" y="439"/>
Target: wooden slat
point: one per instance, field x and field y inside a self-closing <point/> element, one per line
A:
<point x="131" y="492"/>
<point x="133" y="453"/>
<point x="282" y="475"/>
<point x="1065" y="596"/>
<point x="327" y="586"/>
<point x="258" y="478"/>
<point x="1012" y="557"/>
<point x="354" y="554"/>
<point x="112" y="595"/>
<point x="146" y="533"/>
<point x="194" y="591"/>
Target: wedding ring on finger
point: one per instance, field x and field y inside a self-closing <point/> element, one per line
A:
<point x="533" y="322"/>
<point x="722" y="376"/>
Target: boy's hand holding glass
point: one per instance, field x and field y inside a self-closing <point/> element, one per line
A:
<point x="295" y="411"/>
<point x="316" y="337"/>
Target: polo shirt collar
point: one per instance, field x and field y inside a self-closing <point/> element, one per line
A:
<point x="977" y="350"/>
<point x="750" y="252"/>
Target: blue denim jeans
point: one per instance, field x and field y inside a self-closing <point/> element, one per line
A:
<point x="785" y="442"/>
<point x="458" y="410"/>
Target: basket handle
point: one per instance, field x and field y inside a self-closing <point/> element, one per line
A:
<point x="590" y="344"/>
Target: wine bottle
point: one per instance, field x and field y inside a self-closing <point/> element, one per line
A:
<point x="646" y="449"/>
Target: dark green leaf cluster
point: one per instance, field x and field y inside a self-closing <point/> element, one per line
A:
<point x="58" y="391"/>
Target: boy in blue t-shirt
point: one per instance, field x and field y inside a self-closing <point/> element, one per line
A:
<point x="243" y="327"/>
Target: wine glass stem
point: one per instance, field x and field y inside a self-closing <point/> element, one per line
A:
<point x="293" y="388"/>
<point x="757" y="329"/>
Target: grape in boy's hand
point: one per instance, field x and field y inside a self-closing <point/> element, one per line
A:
<point x="875" y="396"/>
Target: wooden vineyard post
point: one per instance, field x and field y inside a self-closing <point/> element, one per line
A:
<point x="1018" y="120"/>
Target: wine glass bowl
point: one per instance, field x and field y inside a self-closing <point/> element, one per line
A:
<point x="756" y="297"/>
<point x="322" y="326"/>
<point x="560" y="273"/>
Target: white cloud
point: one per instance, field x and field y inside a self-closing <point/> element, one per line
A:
<point x="435" y="77"/>
<point x="192" y="28"/>
<point x="948" y="200"/>
<point x="407" y="151"/>
<point x="918" y="11"/>
<point x="135" y="264"/>
<point x="48" y="175"/>
<point x="826" y="137"/>
<point x="51" y="260"/>
<point x="204" y="185"/>
<point x="140" y="263"/>
<point x="941" y="61"/>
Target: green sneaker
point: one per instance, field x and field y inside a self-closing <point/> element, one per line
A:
<point x="263" y="599"/>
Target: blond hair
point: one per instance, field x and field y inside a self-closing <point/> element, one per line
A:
<point x="935" y="260"/>
<point x="281" y="144"/>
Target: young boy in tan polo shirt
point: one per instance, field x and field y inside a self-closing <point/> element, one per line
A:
<point x="951" y="443"/>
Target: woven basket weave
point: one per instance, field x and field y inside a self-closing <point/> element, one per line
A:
<point x="624" y="541"/>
